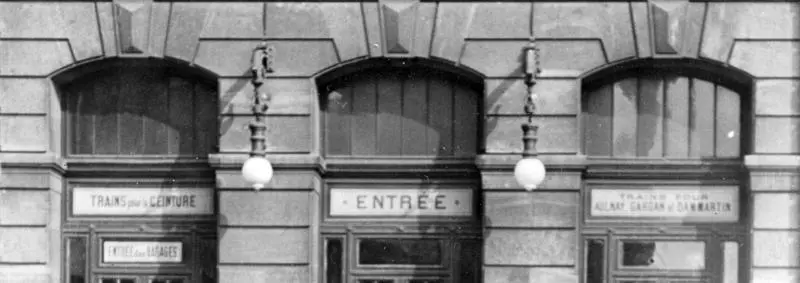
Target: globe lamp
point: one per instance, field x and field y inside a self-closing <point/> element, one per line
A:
<point x="529" y="173"/>
<point x="257" y="170"/>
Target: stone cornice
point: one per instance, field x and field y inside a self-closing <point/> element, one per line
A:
<point x="640" y="168"/>
<point x="506" y="162"/>
<point x="46" y="161"/>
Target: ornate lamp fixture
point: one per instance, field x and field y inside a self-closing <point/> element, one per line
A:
<point x="530" y="171"/>
<point x="257" y="169"/>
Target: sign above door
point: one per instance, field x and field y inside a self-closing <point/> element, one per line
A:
<point x="401" y="202"/>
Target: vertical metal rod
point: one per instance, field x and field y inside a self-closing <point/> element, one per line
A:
<point x="529" y="130"/>
<point x="261" y="66"/>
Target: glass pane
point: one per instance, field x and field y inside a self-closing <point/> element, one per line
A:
<point x="664" y="255"/>
<point x="426" y="281"/>
<point x="374" y="281"/>
<point x="208" y="260"/>
<point x="118" y="280"/>
<point x="469" y="262"/>
<point x="400" y="251"/>
<point x="730" y="273"/>
<point x="595" y="260"/>
<point x="160" y="280"/>
<point x="333" y="261"/>
<point x="637" y="281"/>
<point x="76" y="263"/>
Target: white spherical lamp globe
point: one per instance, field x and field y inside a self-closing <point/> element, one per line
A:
<point x="529" y="173"/>
<point x="258" y="171"/>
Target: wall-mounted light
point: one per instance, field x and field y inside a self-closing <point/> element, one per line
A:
<point x="257" y="170"/>
<point x="530" y="171"/>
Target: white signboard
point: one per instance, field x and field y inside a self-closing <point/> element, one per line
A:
<point x="401" y="202"/>
<point x="703" y="204"/>
<point x="144" y="201"/>
<point x="142" y="252"/>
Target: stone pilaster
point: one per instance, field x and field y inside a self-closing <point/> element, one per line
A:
<point x="775" y="218"/>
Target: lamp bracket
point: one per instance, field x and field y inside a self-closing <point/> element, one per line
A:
<point x="262" y="62"/>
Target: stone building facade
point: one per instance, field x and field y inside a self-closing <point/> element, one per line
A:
<point x="689" y="103"/>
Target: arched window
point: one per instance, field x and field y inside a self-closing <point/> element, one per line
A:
<point x="401" y="113"/>
<point x="140" y="111"/>
<point x="662" y="116"/>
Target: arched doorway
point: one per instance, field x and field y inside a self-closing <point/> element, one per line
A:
<point x="665" y="194"/>
<point x="401" y="194"/>
<point x="139" y="194"/>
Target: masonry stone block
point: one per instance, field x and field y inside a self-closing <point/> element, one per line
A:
<point x="23" y="96"/>
<point x="285" y="134"/>
<point x="775" y="275"/>
<point x="231" y="180"/>
<point x="776" y="249"/>
<point x="287" y="96"/>
<point x="452" y="25"/>
<point x="529" y="247"/>
<point x="24" y="207"/>
<point x="18" y="179"/>
<point x="264" y="208"/>
<point x="263" y="246"/>
<point x="25" y="273"/>
<point x="73" y="21"/>
<point x="553" y="180"/>
<point x="24" y="133"/>
<point x="641" y="28"/>
<point x="774" y="181"/>
<point x="23" y="245"/>
<point x="610" y="22"/>
<point x="569" y="58"/>
<point x="522" y="274"/>
<point x="726" y="22"/>
<point x="372" y="27"/>
<point x="677" y="26"/>
<point x="777" y="97"/>
<point x="108" y="35"/>
<point x="500" y="20"/>
<point x="293" y="58"/>
<point x="774" y="59"/>
<point x="494" y="58"/>
<point x="531" y="209"/>
<point x="233" y="20"/>
<point x="33" y="57"/>
<point x="556" y="134"/>
<point x="777" y="135"/>
<point x="265" y="274"/>
<point x="159" y="25"/>
<point x="341" y="22"/>
<point x="556" y="96"/>
<point x="187" y="21"/>
<point x="776" y="211"/>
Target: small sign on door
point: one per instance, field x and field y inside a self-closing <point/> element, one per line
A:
<point x="142" y="252"/>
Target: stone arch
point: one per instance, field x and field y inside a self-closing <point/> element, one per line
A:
<point x="686" y="81"/>
<point x="333" y="72"/>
